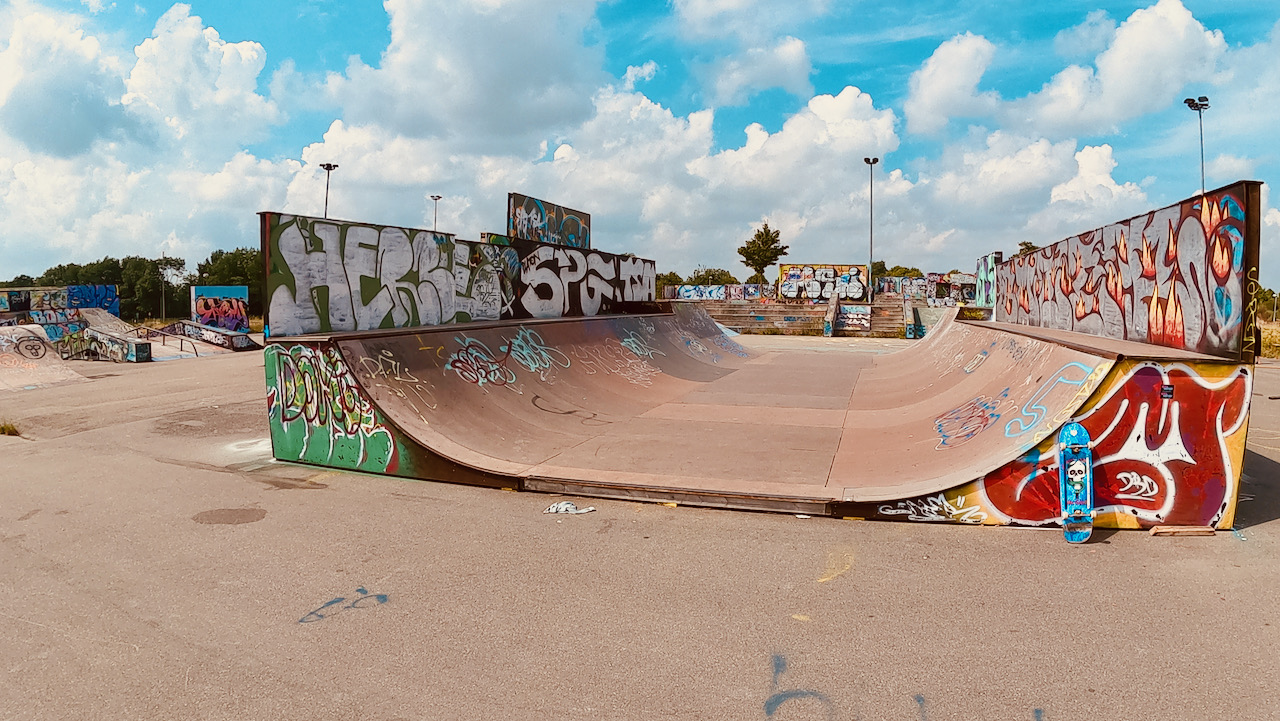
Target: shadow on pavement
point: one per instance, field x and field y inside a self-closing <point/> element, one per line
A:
<point x="1259" y="491"/>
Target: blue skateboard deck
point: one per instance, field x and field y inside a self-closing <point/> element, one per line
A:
<point x="1075" y="482"/>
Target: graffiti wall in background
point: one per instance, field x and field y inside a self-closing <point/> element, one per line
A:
<point x="903" y="286"/>
<point x="57" y="309"/>
<point x="951" y="289"/>
<point x="91" y="344"/>
<point x="817" y="283"/>
<point x="556" y="282"/>
<point x="748" y="291"/>
<point x="1157" y="459"/>
<point x="854" y="317"/>
<point x="325" y="276"/>
<point x="985" y="291"/>
<point x="212" y="335"/>
<point x="221" y="306"/>
<point x="1184" y="276"/>
<point x="543" y="222"/>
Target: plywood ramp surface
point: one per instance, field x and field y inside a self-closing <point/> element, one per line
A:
<point x="668" y="402"/>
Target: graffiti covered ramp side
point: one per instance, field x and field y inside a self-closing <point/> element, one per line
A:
<point x="666" y="406"/>
<point x="28" y="360"/>
<point x="955" y="408"/>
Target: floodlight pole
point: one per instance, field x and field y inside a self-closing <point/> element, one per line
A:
<point x="1200" y="105"/>
<point x="328" y="168"/>
<point x="435" y="214"/>
<point x="871" y="225"/>
<point x="162" y="283"/>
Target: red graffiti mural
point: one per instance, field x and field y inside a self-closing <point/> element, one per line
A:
<point x="1161" y="451"/>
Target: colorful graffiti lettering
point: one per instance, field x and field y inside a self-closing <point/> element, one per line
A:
<point x="1033" y="412"/>
<point x="91" y="344"/>
<point x="559" y="282"/>
<point x="529" y="350"/>
<point x="853" y="317"/>
<point x="985" y="292"/>
<point x="935" y="508"/>
<point x="537" y="220"/>
<point x="961" y="424"/>
<point x="319" y="413"/>
<point x="639" y="344"/>
<point x="327" y="276"/>
<point x="94" y="296"/>
<point x="1149" y="462"/>
<point x="701" y="292"/>
<point x="1174" y="277"/>
<point x="225" y="307"/>
<point x="476" y="364"/>
<point x="817" y="283"/>
<point x="56" y="309"/>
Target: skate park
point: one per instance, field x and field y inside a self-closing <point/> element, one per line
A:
<point x="586" y="388"/>
<point x="167" y="551"/>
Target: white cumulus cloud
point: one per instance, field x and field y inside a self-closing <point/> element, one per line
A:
<point x="1153" y="55"/>
<point x="947" y="85"/>
<point x="481" y="73"/>
<point x="784" y="65"/>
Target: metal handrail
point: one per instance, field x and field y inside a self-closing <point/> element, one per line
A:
<point x="149" y="333"/>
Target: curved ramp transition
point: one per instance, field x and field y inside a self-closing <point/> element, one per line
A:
<point x="665" y="407"/>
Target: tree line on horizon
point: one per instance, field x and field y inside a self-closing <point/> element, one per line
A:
<point x="141" y="281"/>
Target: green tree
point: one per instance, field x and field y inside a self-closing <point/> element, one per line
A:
<point x="899" y="271"/>
<point x="242" y="266"/>
<point x="666" y="279"/>
<point x="1027" y="246"/>
<point x="758" y="278"/>
<point x="763" y="250"/>
<point x="711" y="276"/>
<point x="19" y="281"/>
<point x="65" y="274"/>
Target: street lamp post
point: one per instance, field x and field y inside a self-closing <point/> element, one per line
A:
<point x="435" y="214"/>
<point x="871" y="226"/>
<point x="162" y="286"/>
<point x="328" y="168"/>
<point x="1200" y="105"/>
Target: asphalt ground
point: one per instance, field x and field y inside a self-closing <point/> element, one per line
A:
<point x="155" y="563"/>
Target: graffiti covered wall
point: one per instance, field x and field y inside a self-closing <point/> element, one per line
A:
<point x="951" y="289"/>
<point x="91" y="344"/>
<point x="543" y="222"/>
<point x="221" y="306"/>
<point x="1169" y="443"/>
<point x="816" y="283"/>
<point x="319" y="414"/>
<point x="985" y="292"/>
<point x="56" y="309"/>
<point x="854" y="317"/>
<point x="325" y="276"/>
<point x="749" y="291"/>
<point x="1184" y="276"/>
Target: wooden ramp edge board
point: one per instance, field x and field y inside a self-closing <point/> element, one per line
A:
<point x="1182" y="531"/>
<point x="684" y="497"/>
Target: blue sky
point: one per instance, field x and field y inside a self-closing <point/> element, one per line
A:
<point x="141" y="127"/>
